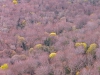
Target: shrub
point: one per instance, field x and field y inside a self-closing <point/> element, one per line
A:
<point x="91" y="48"/>
<point x="15" y="2"/>
<point x="52" y="55"/>
<point x="38" y="46"/>
<point x="77" y="73"/>
<point x="4" y="66"/>
<point x="81" y="44"/>
<point x="52" y="34"/>
<point x="21" y="39"/>
<point x="31" y="50"/>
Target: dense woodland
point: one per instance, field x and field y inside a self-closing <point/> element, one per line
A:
<point x="49" y="37"/>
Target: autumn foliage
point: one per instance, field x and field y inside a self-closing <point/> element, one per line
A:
<point x="49" y="37"/>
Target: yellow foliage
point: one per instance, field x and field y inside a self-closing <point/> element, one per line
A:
<point x="21" y="39"/>
<point x="38" y="46"/>
<point x="77" y="73"/>
<point x="53" y="34"/>
<point x="15" y="1"/>
<point x="81" y="44"/>
<point x="31" y="49"/>
<point x="84" y="45"/>
<point x="91" y="48"/>
<point x="78" y="44"/>
<point x="52" y="55"/>
<point x="4" y="66"/>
